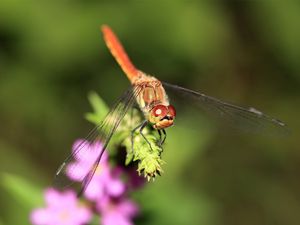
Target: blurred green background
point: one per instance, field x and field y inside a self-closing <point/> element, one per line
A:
<point x="52" y="54"/>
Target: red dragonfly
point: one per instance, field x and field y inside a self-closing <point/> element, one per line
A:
<point x="150" y="95"/>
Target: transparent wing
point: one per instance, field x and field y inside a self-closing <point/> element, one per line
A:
<point x="65" y="174"/>
<point x="250" y="120"/>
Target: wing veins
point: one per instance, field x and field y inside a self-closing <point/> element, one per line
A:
<point x="130" y="101"/>
<point x="104" y="131"/>
<point x="235" y="115"/>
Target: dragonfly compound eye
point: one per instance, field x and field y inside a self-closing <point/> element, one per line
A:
<point x="160" y="110"/>
<point x="172" y="111"/>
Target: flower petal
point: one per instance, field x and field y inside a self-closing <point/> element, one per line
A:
<point x="115" y="218"/>
<point x="40" y="217"/>
<point x="77" y="171"/>
<point x="128" y="208"/>
<point x="87" y="152"/>
<point x="95" y="190"/>
<point x="62" y="208"/>
<point x="115" y="187"/>
<point x="52" y="197"/>
<point x="84" y="215"/>
<point x="79" y="148"/>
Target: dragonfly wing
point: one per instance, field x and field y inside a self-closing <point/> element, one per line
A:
<point x="70" y="171"/>
<point x="250" y="120"/>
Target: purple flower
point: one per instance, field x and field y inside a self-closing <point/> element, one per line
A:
<point x="105" y="181"/>
<point x="135" y="181"/>
<point x="117" y="211"/>
<point x="61" y="209"/>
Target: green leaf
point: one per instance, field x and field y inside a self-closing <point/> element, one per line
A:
<point x="23" y="191"/>
<point x="100" y="109"/>
<point x="149" y="159"/>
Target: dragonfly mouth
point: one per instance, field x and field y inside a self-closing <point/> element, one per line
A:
<point x="167" y="118"/>
<point x="165" y="122"/>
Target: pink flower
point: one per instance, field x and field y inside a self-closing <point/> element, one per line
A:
<point x="117" y="211"/>
<point x="61" y="209"/>
<point x="105" y="181"/>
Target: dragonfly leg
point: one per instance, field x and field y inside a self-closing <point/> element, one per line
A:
<point x="165" y="133"/>
<point x="165" y="136"/>
<point x="162" y="138"/>
<point x="132" y="135"/>
<point x="144" y="124"/>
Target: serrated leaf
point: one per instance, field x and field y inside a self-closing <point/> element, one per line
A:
<point x="129" y="158"/>
<point x="100" y="109"/>
<point x="93" y="118"/>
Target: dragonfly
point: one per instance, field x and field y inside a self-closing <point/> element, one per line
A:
<point x="150" y="95"/>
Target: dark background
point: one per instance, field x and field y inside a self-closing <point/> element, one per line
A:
<point x="52" y="55"/>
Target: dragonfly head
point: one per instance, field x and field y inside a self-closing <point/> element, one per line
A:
<point x="162" y="116"/>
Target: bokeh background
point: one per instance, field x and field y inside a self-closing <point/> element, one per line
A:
<point x="52" y="55"/>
